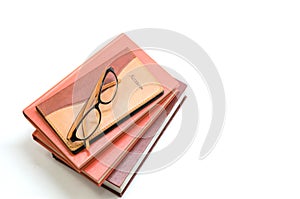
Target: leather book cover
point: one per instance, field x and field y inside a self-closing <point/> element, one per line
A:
<point x="80" y="159"/>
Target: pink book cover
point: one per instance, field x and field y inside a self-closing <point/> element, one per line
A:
<point x="79" y="160"/>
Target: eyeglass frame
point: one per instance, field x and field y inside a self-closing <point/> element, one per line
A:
<point x="74" y="136"/>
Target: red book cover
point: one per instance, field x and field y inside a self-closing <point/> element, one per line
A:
<point x="79" y="160"/>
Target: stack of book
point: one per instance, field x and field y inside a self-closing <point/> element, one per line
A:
<point x="104" y="118"/>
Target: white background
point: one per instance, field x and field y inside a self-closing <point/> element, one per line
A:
<point x="255" y="46"/>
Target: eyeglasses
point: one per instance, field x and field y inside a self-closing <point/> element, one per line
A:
<point x="91" y="114"/>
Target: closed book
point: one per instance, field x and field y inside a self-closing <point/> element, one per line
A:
<point x="152" y="133"/>
<point x="79" y="160"/>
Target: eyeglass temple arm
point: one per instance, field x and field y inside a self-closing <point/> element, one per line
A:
<point x="110" y="84"/>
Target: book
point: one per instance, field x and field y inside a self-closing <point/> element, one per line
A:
<point x="79" y="160"/>
<point x="103" y="163"/>
<point x="119" y="179"/>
